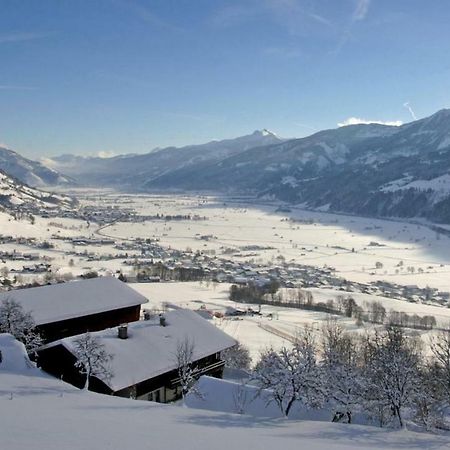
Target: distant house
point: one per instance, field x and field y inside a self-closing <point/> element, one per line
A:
<point x="68" y="309"/>
<point x="144" y="363"/>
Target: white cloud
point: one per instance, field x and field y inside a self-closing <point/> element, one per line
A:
<point x="358" y="121"/>
<point x="361" y="9"/>
<point x="106" y="154"/>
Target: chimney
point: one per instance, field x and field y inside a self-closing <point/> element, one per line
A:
<point x="162" y="320"/>
<point x="123" y="332"/>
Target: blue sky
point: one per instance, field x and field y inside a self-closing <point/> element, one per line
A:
<point x="120" y="76"/>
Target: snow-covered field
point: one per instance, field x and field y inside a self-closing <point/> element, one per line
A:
<point x="277" y="326"/>
<point x="41" y="413"/>
<point x="352" y="245"/>
<point x="408" y="254"/>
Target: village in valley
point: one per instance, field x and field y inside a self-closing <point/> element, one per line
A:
<point x="178" y="298"/>
<point x="224" y="225"/>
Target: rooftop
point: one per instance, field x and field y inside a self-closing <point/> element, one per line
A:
<point x="57" y="302"/>
<point x="150" y="348"/>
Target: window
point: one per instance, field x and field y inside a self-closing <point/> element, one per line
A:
<point x="156" y="396"/>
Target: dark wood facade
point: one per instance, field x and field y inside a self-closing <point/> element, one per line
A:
<point x="59" y="362"/>
<point x="94" y="322"/>
<point x="169" y="383"/>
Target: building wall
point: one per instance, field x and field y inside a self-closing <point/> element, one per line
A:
<point x="94" y="322"/>
<point x="168" y="384"/>
<point x="60" y="363"/>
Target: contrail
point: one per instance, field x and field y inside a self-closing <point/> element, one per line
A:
<point x="408" y="107"/>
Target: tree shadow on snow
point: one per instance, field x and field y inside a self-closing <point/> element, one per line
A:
<point x="368" y="436"/>
<point x="232" y="421"/>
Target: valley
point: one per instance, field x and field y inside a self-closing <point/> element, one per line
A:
<point x="187" y="250"/>
<point x="224" y="224"/>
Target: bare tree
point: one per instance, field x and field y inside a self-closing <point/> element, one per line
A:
<point x="430" y="400"/>
<point x="184" y="357"/>
<point x="19" y="323"/>
<point x="237" y="357"/>
<point x="392" y="373"/>
<point x="92" y="358"/>
<point x="241" y="398"/>
<point x="291" y="375"/>
<point x="341" y="371"/>
<point x="440" y="347"/>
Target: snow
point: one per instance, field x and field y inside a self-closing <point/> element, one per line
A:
<point x="444" y="143"/>
<point x="291" y="181"/>
<point x="14" y="355"/>
<point x="441" y="185"/>
<point x="266" y="132"/>
<point x="42" y="413"/>
<point x="150" y="348"/>
<point x="277" y="326"/>
<point x="231" y="396"/>
<point x="337" y="153"/>
<point x="16" y="193"/>
<point x="58" y="302"/>
<point x="221" y="396"/>
<point x="240" y="223"/>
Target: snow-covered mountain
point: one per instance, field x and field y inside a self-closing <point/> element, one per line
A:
<point x="259" y="168"/>
<point x="366" y="169"/>
<point x="28" y="171"/>
<point x="372" y="169"/>
<point x="134" y="170"/>
<point x="16" y="196"/>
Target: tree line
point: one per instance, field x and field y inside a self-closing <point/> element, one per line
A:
<point x="372" y="312"/>
<point x="384" y="375"/>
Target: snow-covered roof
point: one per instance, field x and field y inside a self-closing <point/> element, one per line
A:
<point x="150" y="348"/>
<point x="63" y="301"/>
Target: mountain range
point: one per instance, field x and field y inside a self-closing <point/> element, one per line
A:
<point x="367" y="169"/>
<point x="30" y="172"/>
<point x="136" y="170"/>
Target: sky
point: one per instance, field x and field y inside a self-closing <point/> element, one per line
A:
<point x="104" y="77"/>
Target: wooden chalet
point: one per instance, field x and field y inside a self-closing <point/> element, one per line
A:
<point x="144" y="363"/>
<point x="75" y="307"/>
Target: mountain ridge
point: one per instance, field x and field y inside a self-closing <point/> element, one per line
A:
<point x="30" y="172"/>
<point x="367" y="169"/>
<point x="16" y="196"/>
<point x="132" y="169"/>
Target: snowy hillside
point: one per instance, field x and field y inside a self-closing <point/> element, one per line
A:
<point x="29" y="172"/>
<point x="15" y="195"/>
<point x="42" y="413"/>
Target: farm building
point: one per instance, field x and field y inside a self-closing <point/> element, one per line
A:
<point x="144" y="364"/>
<point x="68" y="309"/>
